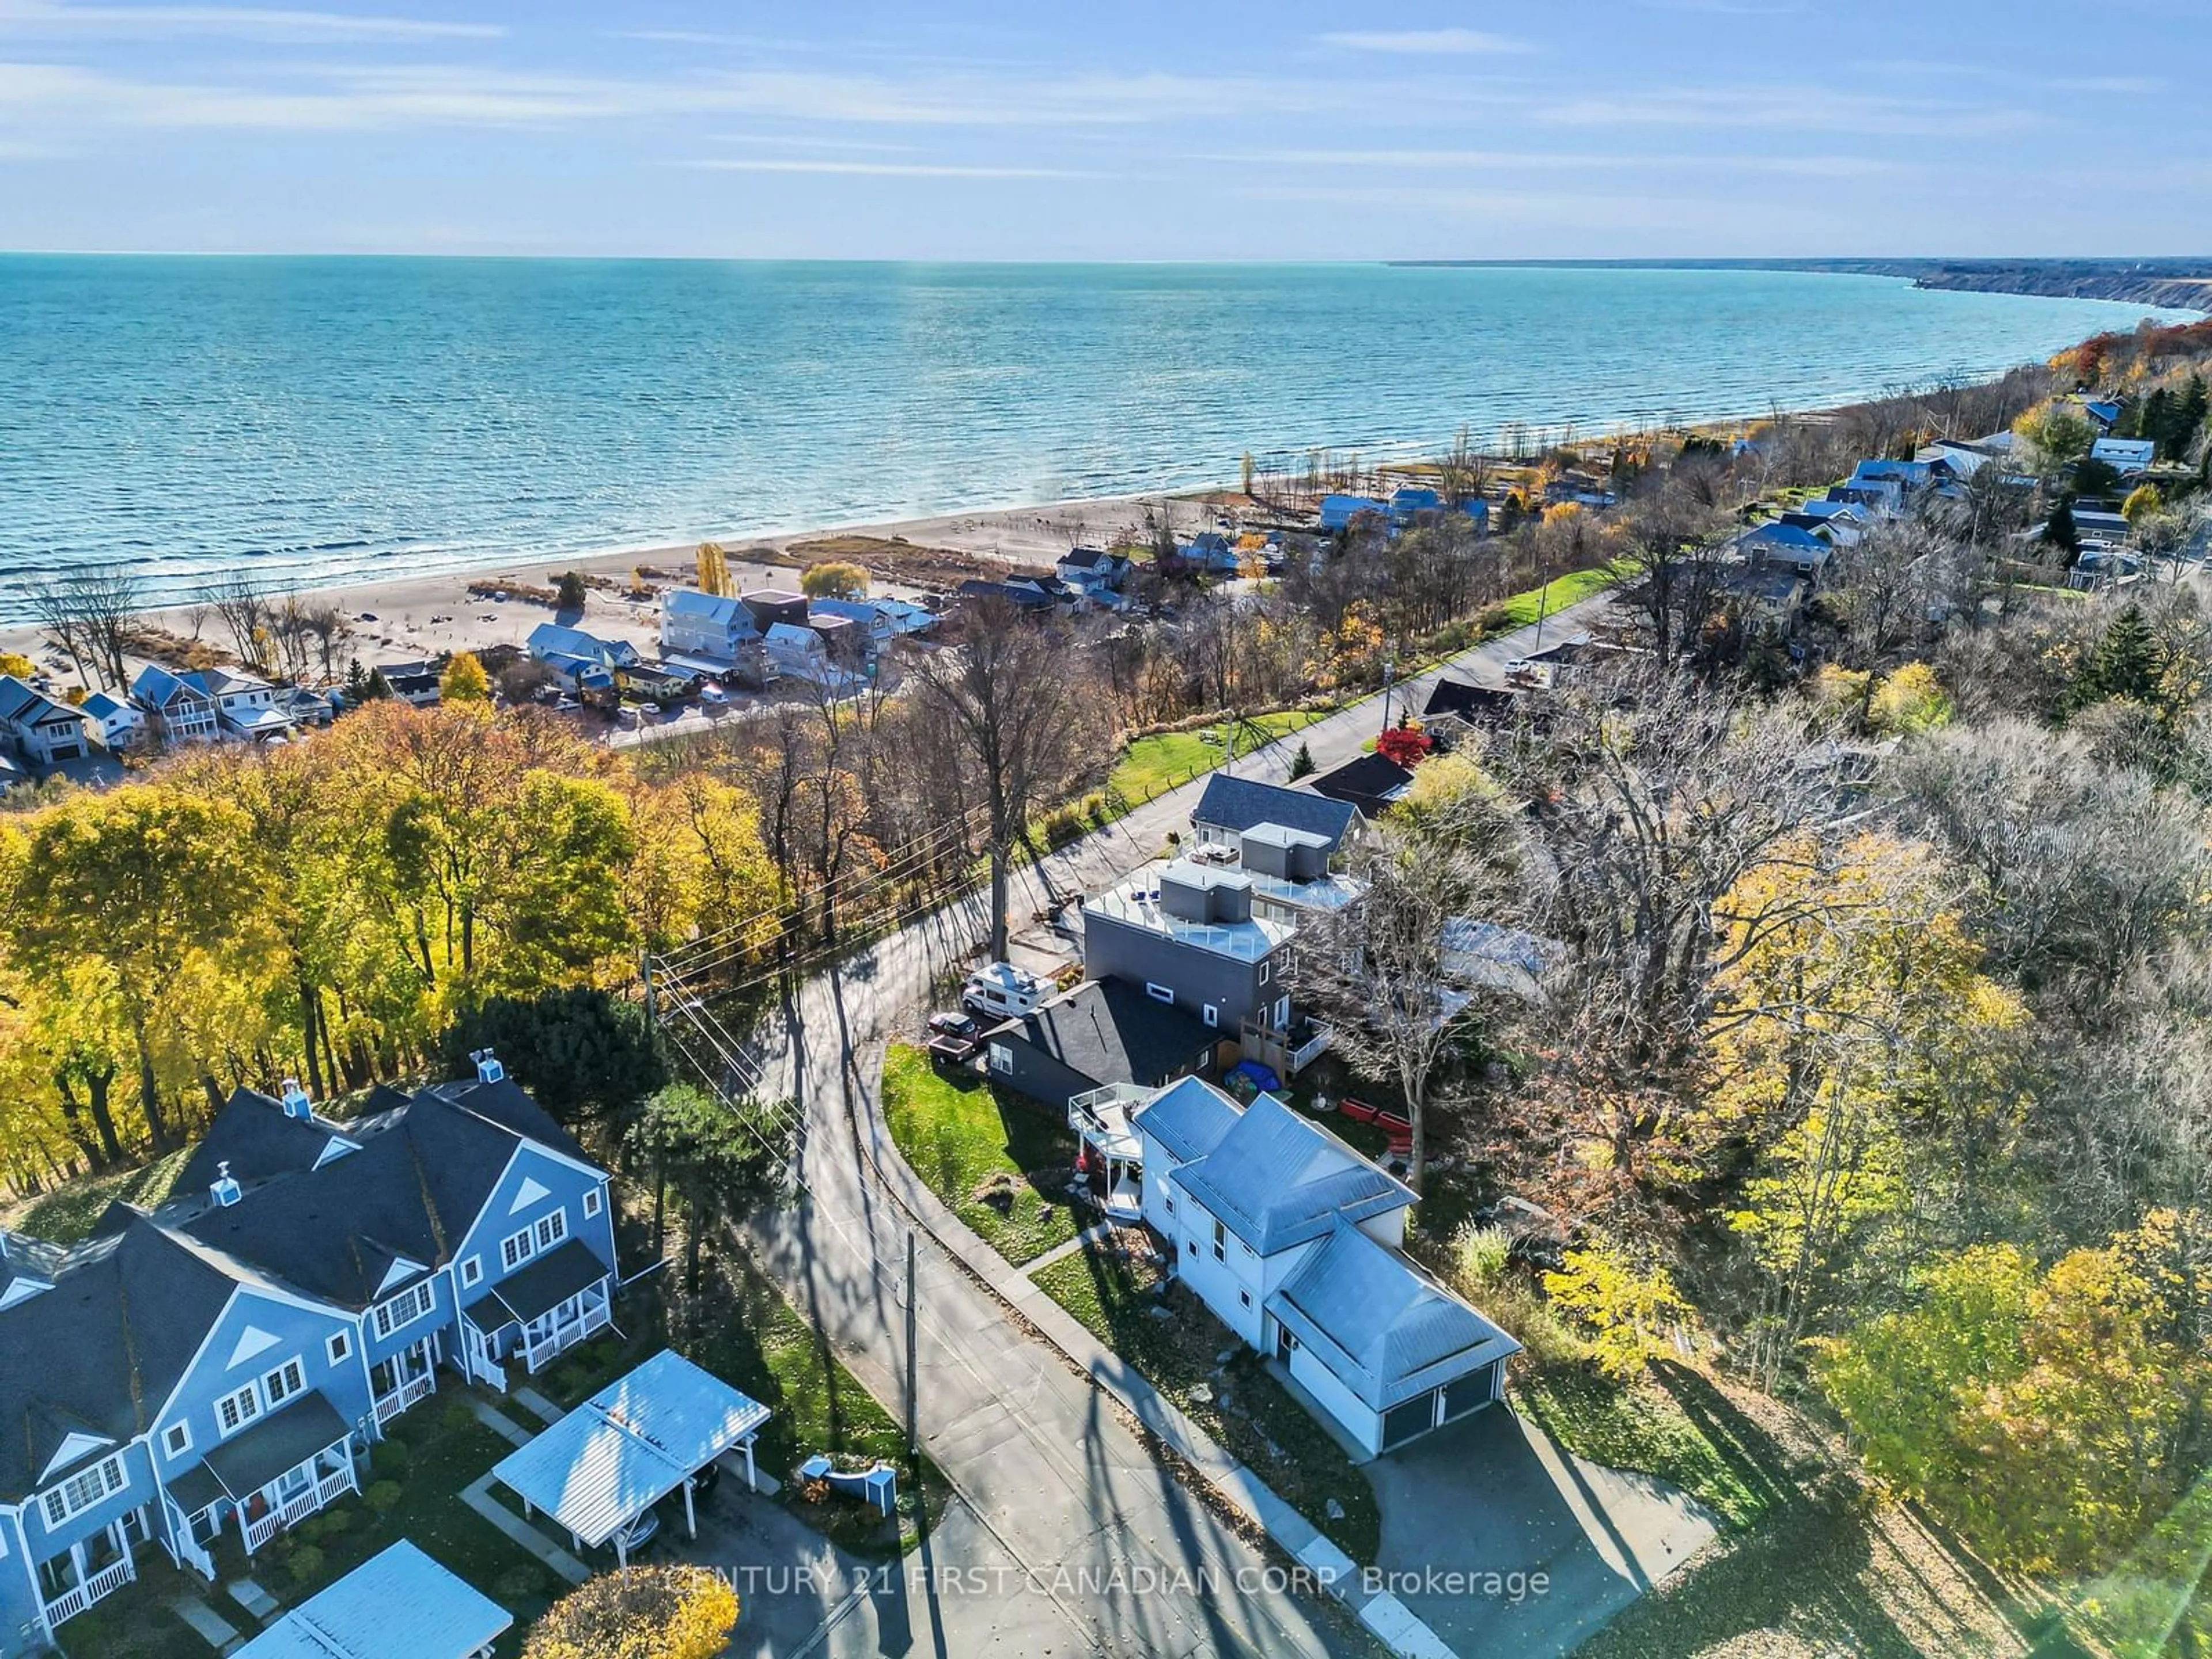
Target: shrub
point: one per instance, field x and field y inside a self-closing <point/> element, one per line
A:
<point x="568" y="591"/>
<point x="306" y="1565"/>
<point x="336" y="1522"/>
<point x="392" y="1459"/>
<point x="642" y="1612"/>
<point x="384" y="1496"/>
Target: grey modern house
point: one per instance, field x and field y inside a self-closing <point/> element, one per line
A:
<point x="1230" y="806"/>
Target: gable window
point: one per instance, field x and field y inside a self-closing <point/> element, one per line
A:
<point x="552" y="1229"/>
<point x="516" y="1249"/>
<point x="177" y="1439"/>
<point x="234" y="1410"/>
<point x="339" y="1346"/>
<point x="472" y="1270"/>
<point x="404" y="1309"/>
<point x="1002" y="1057"/>
<point x="81" y="1491"/>
<point x="1159" y="993"/>
<point x="590" y="1203"/>
<point x="281" y="1384"/>
<point x="1220" y="1237"/>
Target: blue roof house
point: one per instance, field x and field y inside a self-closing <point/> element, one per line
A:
<point x="1337" y="512"/>
<point x="218" y="1367"/>
<point x="1296" y="1243"/>
<point x="1409" y="503"/>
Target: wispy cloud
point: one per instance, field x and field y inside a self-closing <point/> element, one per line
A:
<point x="51" y="17"/>
<point x="1423" y="43"/>
<point x="879" y="169"/>
<point x="1797" y="109"/>
<point x="805" y="141"/>
<point x="1505" y="161"/>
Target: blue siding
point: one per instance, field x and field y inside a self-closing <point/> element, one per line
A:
<point x="301" y="1333"/>
<point x="502" y="1215"/>
<point x="439" y="1319"/>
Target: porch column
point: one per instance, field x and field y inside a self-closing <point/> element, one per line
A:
<point x="752" y="1483"/>
<point x="622" y="1549"/>
<point x="690" y="1519"/>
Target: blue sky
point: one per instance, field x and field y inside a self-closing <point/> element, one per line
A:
<point x="1137" y="128"/>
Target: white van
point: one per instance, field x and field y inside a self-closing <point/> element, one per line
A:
<point x="1003" y="991"/>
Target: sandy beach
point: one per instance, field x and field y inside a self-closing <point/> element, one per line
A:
<point x="410" y="618"/>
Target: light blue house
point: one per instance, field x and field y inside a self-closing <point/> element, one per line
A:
<point x="210" y="1373"/>
<point x="1337" y="512"/>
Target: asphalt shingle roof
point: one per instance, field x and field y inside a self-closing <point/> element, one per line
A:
<point x="1237" y="803"/>
<point x="1109" y="1031"/>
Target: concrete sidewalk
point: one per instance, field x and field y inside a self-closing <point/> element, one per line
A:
<point x="1234" y="1482"/>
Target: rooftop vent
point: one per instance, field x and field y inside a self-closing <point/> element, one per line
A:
<point x="489" y="1070"/>
<point x="224" y="1189"/>
<point x="296" y="1104"/>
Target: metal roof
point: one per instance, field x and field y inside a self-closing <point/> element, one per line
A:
<point x="1276" y="1180"/>
<point x="1384" y="1328"/>
<point x="398" y="1602"/>
<point x="1188" y="1118"/>
<point x="629" y="1446"/>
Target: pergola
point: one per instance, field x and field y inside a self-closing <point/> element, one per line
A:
<point x="629" y="1446"/>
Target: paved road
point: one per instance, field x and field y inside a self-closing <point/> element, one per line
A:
<point x="1086" y="1543"/>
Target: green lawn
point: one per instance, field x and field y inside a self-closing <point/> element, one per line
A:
<point x="1642" y="1427"/>
<point x="750" y="1336"/>
<point x="1523" y="608"/>
<point x="1152" y="766"/>
<point x="999" y="1165"/>
<point x="1250" y="1413"/>
<point x="430" y="1453"/>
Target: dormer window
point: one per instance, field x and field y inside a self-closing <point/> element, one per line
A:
<point x="404" y="1308"/>
<point x="81" y="1491"/>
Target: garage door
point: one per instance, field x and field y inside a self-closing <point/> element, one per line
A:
<point x="62" y="751"/>
<point x="1416" y="1417"/>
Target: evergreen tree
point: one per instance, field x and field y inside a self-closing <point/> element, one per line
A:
<point x="1302" y="763"/>
<point x="356" y="682"/>
<point x="2189" y="417"/>
<point x="378" y="688"/>
<point x="2155" y="416"/>
<point x="569" y="594"/>
<point x="2062" y="533"/>
<point x="2126" y="661"/>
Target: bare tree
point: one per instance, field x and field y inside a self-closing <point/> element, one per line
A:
<point x="1675" y="565"/>
<point x="55" y="606"/>
<point x="1022" y="725"/>
<point x="242" y="603"/>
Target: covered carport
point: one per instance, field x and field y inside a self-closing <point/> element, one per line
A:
<point x="629" y="1446"/>
<point x="398" y="1602"/>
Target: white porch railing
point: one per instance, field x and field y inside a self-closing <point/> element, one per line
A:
<point x="1312" y="1048"/>
<point x="294" y="1510"/>
<point x="597" y="1317"/>
<point x="403" y="1396"/>
<point x="75" y="1600"/>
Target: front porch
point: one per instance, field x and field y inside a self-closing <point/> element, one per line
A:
<point x="1101" y="1120"/>
<point x="564" y="1298"/>
<point x="266" y="1480"/>
<point x="90" y="1569"/>
<point x="404" y="1379"/>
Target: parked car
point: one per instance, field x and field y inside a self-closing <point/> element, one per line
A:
<point x="704" y="1480"/>
<point x="1003" y="991"/>
<point x="954" y="1037"/>
<point x="641" y="1532"/>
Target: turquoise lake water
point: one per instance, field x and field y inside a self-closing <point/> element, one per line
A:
<point x="335" y="419"/>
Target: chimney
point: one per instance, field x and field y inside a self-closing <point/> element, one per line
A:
<point x="296" y="1104"/>
<point x="489" y="1070"/>
<point x="224" y="1189"/>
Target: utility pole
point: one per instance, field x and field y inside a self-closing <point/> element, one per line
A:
<point x="913" y="1355"/>
<point x="1389" y="674"/>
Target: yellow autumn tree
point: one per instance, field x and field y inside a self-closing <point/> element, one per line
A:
<point x="714" y="569"/>
<point x="464" y="680"/>
<point x="1851" y="996"/>
<point x="639" y="1612"/>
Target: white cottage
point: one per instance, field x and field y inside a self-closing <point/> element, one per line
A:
<point x="1294" y="1240"/>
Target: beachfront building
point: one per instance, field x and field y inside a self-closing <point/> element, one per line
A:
<point x="216" y="1368"/>
<point x="1295" y="1241"/>
<point x="1095" y="574"/>
<point x="245" y="704"/>
<point x="177" y="708"/>
<point x="40" y="729"/>
<point x="715" y="627"/>
<point x="117" y="722"/>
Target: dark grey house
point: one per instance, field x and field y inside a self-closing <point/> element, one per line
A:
<point x="1185" y="934"/>
<point x="1230" y="806"/>
<point x="1372" y="784"/>
<point x="1101" y="1032"/>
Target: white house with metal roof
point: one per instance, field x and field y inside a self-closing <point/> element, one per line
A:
<point x="1294" y="1240"/>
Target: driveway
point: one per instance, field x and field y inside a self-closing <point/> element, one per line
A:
<point x="1079" y="1540"/>
<point x="1474" y="1515"/>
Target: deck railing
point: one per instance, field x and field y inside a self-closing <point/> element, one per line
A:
<point x="597" y="1317"/>
<point x="75" y="1600"/>
<point x="403" y="1396"/>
